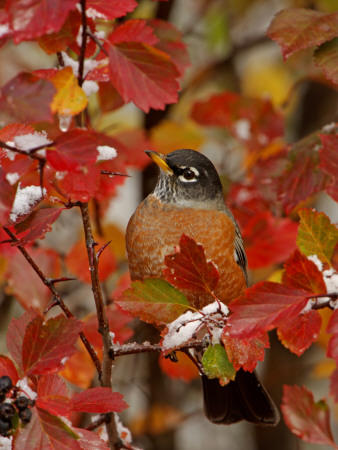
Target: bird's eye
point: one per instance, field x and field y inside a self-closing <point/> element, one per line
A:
<point x="188" y="174"/>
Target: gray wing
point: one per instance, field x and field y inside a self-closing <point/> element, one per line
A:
<point x="240" y="255"/>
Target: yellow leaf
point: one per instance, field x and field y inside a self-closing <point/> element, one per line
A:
<point x="69" y="99"/>
<point x="169" y="136"/>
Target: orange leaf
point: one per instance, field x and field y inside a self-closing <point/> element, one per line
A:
<point x="69" y="99"/>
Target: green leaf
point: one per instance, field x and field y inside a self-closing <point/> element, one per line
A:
<point x="216" y="364"/>
<point x="153" y="300"/>
<point x="316" y="235"/>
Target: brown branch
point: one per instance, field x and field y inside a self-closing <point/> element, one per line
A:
<point x="102" y="419"/>
<point x="133" y="348"/>
<point x="25" y="152"/>
<point x="83" y="42"/>
<point x="97" y="41"/>
<point x="332" y="296"/>
<point x="105" y="378"/>
<point x="57" y="298"/>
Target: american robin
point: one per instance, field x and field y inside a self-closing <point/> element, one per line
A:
<point x="188" y="198"/>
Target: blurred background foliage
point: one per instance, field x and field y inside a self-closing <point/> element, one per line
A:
<point x="229" y="50"/>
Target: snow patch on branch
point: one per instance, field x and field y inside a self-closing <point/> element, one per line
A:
<point x="242" y="129"/>
<point x="330" y="279"/>
<point x="185" y="327"/>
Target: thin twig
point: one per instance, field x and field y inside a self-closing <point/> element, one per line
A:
<point x="57" y="298"/>
<point x="83" y="42"/>
<point x="97" y="41"/>
<point x="106" y="374"/>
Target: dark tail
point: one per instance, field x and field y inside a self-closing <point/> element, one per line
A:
<point x="242" y="399"/>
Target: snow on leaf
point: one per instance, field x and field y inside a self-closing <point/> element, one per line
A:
<point x="98" y="400"/>
<point x="30" y="20"/>
<point x="244" y="353"/>
<point x="307" y="419"/>
<point x="265" y="306"/>
<point x="26" y="99"/>
<point x="153" y="300"/>
<point x="110" y="10"/>
<point x="89" y="440"/>
<point x="70" y="99"/>
<point x="216" y="364"/>
<point x="46" y="344"/>
<point x="26" y="199"/>
<point x="302" y="273"/>
<point x="298" y="28"/>
<point x="142" y="74"/>
<point x="316" y="235"/>
<point x="328" y="156"/>
<point x="189" y="269"/>
<point x="299" y="332"/>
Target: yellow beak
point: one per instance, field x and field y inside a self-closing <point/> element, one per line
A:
<point x="159" y="159"/>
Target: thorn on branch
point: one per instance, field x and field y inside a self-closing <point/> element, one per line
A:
<point x="98" y="254"/>
<point x="113" y="174"/>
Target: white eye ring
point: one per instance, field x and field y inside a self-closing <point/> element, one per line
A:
<point x="194" y="172"/>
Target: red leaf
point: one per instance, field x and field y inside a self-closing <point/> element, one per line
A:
<point x="297" y="28"/>
<point x="298" y="332"/>
<point x="306" y="418"/>
<point x="55" y="404"/>
<point x="26" y="99"/>
<point x="170" y="42"/>
<point x="110" y="10"/>
<point x="9" y="132"/>
<point x="332" y="328"/>
<point x="79" y="185"/>
<point x="7" y="368"/>
<point x="15" y="335"/>
<point x="48" y="432"/>
<point x="7" y="196"/>
<point x="73" y="150"/>
<point x="51" y="384"/>
<point x="38" y="223"/>
<point x="98" y="400"/>
<point x="135" y="30"/>
<point x="301" y="178"/>
<point x="25" y="284"/>
<point x="189" y="269"/>
<point x="59" y="41"/>
<point x="32" y="19"/>
<point x="46" y="344"/>
<point x="230" y="110"/>
<point x="143" y="75"/>
<point x="265" y="306"/>
<point x="89" y="440"/>
<point x="326" y="57"/>
<point x="184" y="369"/>
<point x="328" y="156"/>
<point x="334" y="385"/>
<point x="268" y="240"/>
<point x="244" y="353"/>
<point x="301" y="273"/>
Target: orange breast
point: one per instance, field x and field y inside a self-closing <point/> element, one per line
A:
<point x="154" y="230"/>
